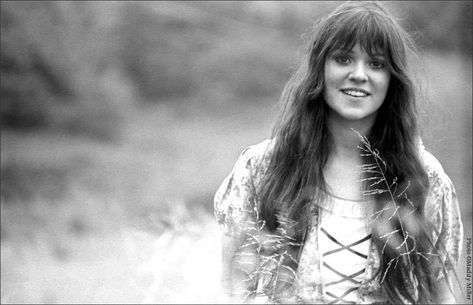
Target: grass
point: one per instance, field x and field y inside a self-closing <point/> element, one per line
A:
<point x="112" y="222"/>
<point x="130" y="221"/>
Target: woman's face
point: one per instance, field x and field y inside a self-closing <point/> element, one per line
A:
<point x="355" y="84"/>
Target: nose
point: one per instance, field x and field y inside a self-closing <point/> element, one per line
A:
<point x="358" y="73"/>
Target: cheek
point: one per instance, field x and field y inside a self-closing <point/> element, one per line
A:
<point x="382" y="84"/>
<point x="330" y="74"/>
<point x="385" y="82"/>
<point x="327" y="81"/>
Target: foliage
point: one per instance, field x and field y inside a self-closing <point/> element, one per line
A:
<point x="164" y="50"/>
<point x="57" y="56"/>
<point x="402" y="241"/>
<point x="440" y="25"/>
<point x="53" y="55"/>
<point x="268" y="261"/>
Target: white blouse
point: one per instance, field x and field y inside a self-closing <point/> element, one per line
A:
<point x="344" y="241"/>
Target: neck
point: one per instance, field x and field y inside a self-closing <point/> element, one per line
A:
<point x="344" y="140"/>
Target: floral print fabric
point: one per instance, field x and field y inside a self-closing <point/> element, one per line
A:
<point x="235" y="207"/>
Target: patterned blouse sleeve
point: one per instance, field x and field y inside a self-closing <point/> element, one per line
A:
<point x="234" y="203"/>
<point x="442" y="207"/>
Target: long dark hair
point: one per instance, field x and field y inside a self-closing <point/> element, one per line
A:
<point x="302" y="145"/>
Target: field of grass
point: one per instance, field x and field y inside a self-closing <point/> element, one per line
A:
<point x="130" y="221"/>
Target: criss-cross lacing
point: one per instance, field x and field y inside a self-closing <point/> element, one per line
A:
<point x="344" y="277"/>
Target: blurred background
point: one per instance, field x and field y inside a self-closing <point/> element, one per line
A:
<point x="119" y="120"/>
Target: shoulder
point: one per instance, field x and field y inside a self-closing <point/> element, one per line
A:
<point x="442" y="205"/>
<point x="248" y="169"/>
<point x="258" y="152"/>
<point x="255" y="158"/>
<point x="440" y="182"/>
<point x="432" y="166"/>
<point x="441" y="201"/>
<point x="234" y="200"/>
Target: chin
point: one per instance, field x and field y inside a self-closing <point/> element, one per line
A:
<point x="357" y="116"/>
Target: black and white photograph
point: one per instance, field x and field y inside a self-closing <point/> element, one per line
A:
<point x="243" y="152"/>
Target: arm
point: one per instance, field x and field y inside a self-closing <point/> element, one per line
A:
<point x="443" y="209"/>
<point x="236" y="281"/>
<point x="234" y="207"/>
<point x="445" y="295"/>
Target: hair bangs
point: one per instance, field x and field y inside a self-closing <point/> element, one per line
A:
<point x="369" y="29"/>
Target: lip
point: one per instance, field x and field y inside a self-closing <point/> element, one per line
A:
<point x="355" y="89"/>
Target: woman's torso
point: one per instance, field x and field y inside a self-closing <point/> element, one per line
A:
<point x="236" y="196"/>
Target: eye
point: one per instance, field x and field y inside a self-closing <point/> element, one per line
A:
<point x="342" y="59"/>
<point x="377" y="64"/>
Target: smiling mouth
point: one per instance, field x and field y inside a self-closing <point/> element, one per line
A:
<point x="355" y="92"/>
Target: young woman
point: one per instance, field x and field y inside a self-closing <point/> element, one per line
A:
<point x="343" y="204"/>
